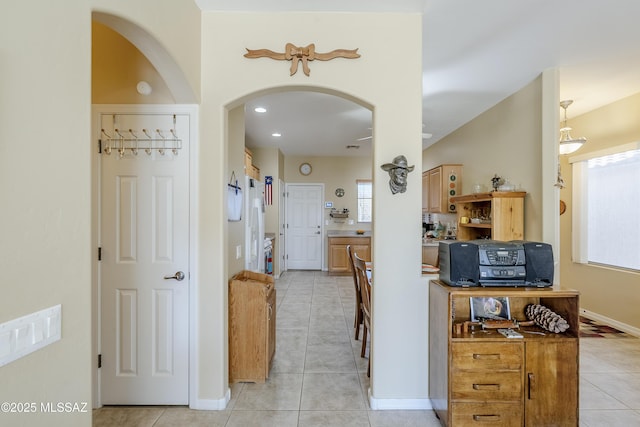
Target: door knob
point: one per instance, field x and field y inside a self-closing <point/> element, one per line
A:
<point x="179" y="276"/>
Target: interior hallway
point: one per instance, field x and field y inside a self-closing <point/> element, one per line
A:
<point x="319" y="379"/>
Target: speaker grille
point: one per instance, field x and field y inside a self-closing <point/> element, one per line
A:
<point x="539" y="259"/>
<point x="459" y="263"/>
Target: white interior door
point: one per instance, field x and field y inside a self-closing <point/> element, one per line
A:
<point x="144" y="228"/>
<point x="304" y="226"/>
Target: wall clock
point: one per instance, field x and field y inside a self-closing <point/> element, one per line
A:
<point x="339" y="192"/>
<point x="305" y="169"/>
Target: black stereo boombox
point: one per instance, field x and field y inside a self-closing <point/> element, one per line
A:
<point x="495" y="263"/>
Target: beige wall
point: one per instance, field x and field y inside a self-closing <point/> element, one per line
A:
<point x="45" y="185"/>
<point x="116" y="68"/>
<point x="46" y="173"/>
<point x="167" y="32"/>
<point x="334" y="172"/>
<point x="384" y="40"/>
<point x="235" y="165"/>
<point x="605" y="291"/>
<point x="505" y="140"/>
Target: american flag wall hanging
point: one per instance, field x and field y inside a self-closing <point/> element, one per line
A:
<point x="268" y="190"/>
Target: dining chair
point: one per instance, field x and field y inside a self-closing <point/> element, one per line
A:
<point x="365" y="292"/>
<point x="357" y="321"/>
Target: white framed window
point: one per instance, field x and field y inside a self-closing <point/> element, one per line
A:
<point x="365" y="200"/>
<point x="606" y="203"/>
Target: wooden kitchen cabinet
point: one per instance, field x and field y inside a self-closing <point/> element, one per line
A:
<point x="439" y="185"/>
<point x="503" y="212"/>
<point x="338" y="263"/>
<point x="251" y="170"/>
<point x="479" y="376"/>
<point x="252" y="326"/>
<point x="430" y="255"/>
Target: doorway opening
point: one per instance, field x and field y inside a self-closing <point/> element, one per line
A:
<point x="114" y="299"/>
<point x="306" y="136"/>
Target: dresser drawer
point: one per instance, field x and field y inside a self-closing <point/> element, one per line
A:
<point x="487" y="355"/>
<point x="505" y="385"/>
<point x="486" y="414"/>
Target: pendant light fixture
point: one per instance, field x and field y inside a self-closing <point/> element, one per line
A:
<point x="568" y="144"/>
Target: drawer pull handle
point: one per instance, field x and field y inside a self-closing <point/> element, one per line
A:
<point x="486" y="418"/>
<point x="492" y="356"/>
<point x="492" y="387"/>
<point x="532" y="386"/>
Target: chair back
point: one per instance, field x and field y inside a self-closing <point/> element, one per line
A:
<point x="353" y="267"/>
<point x="364" y="285"/>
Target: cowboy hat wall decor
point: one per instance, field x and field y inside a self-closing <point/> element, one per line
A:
<point x="398" y="170"/>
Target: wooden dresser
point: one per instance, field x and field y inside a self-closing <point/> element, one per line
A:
<point x="479" y="377"/>
<point x="252" y="326"/>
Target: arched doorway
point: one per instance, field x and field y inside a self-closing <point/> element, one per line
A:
<point x="298" y="114"/>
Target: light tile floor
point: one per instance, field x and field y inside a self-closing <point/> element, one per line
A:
<point x="319" y="379"/>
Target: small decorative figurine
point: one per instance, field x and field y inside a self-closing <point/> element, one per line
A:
<point x="496" y="182"/>
<point x="398" y="171"/>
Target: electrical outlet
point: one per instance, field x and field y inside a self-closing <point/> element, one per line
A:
<point x="238" y="251"/>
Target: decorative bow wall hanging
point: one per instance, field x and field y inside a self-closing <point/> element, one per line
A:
<point x="297" y="54"/>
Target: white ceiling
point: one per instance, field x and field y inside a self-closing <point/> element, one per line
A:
<point x="475" y="54"/>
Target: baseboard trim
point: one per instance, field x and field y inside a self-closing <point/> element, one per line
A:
<point x="398" y="404"/>
<point x="212" y="404"/>
<point x="611" y="322"/>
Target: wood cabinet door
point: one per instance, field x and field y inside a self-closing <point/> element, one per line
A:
<point x="507" y="215"/>
<point x="271" y="329"/>
<point x="338" y="258"/>
<point x="435" y="190"/>
<point x="551" y="383"/>
<point x="425" y="191"/>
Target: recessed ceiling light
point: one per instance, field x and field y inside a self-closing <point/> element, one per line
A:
<point x="276" y="134"/>
<point x="260" y="110"/>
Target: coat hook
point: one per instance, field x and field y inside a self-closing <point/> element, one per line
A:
<point x="134" y="150"/>
<point x="164" y="145"/>
<point x="148" y="149"/>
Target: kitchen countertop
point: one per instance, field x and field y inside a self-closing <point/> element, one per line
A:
<point x="347" y="233"/>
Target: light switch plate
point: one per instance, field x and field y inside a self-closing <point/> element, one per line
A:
<point x="26" y="334"/>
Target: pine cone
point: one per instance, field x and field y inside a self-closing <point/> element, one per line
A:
<point x="546" y="319"/>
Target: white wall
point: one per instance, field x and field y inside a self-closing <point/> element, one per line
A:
<point x="400" y="354"/>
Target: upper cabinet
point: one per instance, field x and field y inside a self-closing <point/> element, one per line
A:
<point x="439" y="185"/>
<point x="250" y="169"/>
<point x="498" y="215"/>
